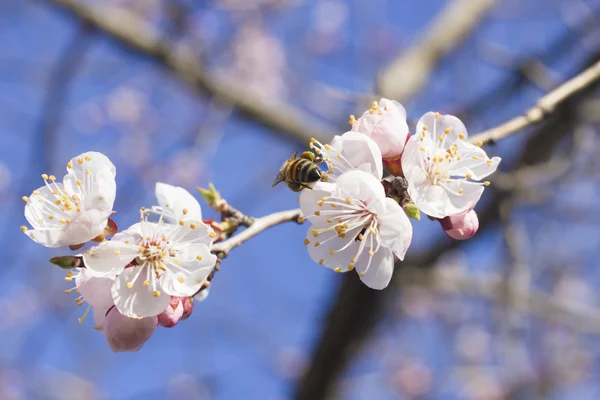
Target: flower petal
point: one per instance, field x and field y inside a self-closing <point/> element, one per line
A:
<point x="46" y="237"/>
<point x="361" y="151"/>
<point x="395" y="228"/>
<point x="437" y="126"/>
<point x="95" y="290"/>
<point x="175" y="200"/>
<point x="91" y="160"/>
<point x="127" y="334"/>
<point x="380" y="272"/>
<point x="139" y="301"/>
<point x="360" y="185"/>
<point x="85" y="226"/>
<point x="192" y="232"/>
<point x="110" y="258"/>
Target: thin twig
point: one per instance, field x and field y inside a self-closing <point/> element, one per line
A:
<point x="132" y="31"/>
<point x="544" y="107"/>
<point x="259" y="225"/>
<point x="410" y="72"/>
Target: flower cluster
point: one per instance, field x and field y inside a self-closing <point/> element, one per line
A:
<point x="359" y="221"/>
<point x="144" y="276"/>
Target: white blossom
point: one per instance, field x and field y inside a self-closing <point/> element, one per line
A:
<point x="354" y="226"/>
<point x="385" y="123"/>
<point x="347" y="152"/>
<point x="442" y="169"/>
<point x="177" y="204"/>
<point x="153" y="261"/>
<point x="76" y="210"/>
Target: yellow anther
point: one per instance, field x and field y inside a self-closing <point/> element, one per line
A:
<point x="301" y="220"/>
<point x="440" y="139"/>
<point x="421" y="148"/>
<point x="41" y="220"/>
<point x="23" y="228"/>
<point x="461" y="135"/>
<point x="44" y="176"/>
<point x="339" y="155"/>
<point x="314" y="232"/>
<point x="329" y="220"/>
<point x="437" y="114"/>
<point x="319" y="202"/>
<point x="317" y="244"/>
<point x="185" y="211"/>
<point x="68" y="291"/>
<point x="360" y="237"/>
<point x="87" y="158"/>
<point x="55" y="192"/>
<point x="489" y="162"/>
<point x="327" y="147"/>
<point x="460" y="191"/>
<point x="79" y="183"/>
<point x="311" y="145"/>
<point x="332" y="251"/>
<point x="36" y="192"/>
<point x="425" y="128"/>
<point x="193" y="226"/>
<point x="342" y="235"/>
<point x="333" y="205"/>
<point x="181" y="223"/>
<point x="479" y="143"/>
<point x="141" y="249"/>
<point x="52" y="178"/>
<point x="321" y="261"/>
<point x="469" y="176"/>
<point x="166" y="204"/>
<point x="212" y="234"/>
<point x="372" y="230"/>
<point x="70" y="165"/>
<point x="352" y="120"/>
<point x="447" y="131"/>
<point x="50" y="216"/>
<point x="361" y="273"/>
<point x="318" y="151"/>
<point x="306" y="242"/>
<point x="486" y="183"/>
<point x="475" y="157"/>
<point x="313" y="140"/>
<point x="88" y="172"/>
<point x="317" y="213"/>
<point x="117" y="252"/>
<point x="199" y="257"/>
<point x="146" y="283"/>
<point x="63" y="221"/>
<point x="156" y="293"/>
<point x="129" y="285"/>
<point x="371" y="253"/>
<point x="348" y="201"/>
<point x="350" y="267"/>
<point x="336" y="269"/>
<point x="25" y="199"/>
<point x="181" y="279"/>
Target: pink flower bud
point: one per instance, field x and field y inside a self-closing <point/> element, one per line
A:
<point x="385" y="123"/>
<point x="188" y="307"/>
<point x="127" y="334"/>
<point x="171" y="316"/>
<point x="461" y="226"/>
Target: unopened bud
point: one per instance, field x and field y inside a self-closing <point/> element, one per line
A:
<point x="211" y="196"/>
<point x="412" y="211"/>
<point x="67" y="262"/>
<point x="127" y="334"/>
<point x="172" y="314"/>
<point x="188" y="307"/>
<point x="393" y="165"/>
<point x="461" y="226"/>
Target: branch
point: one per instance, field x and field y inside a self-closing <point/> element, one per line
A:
<point x="133" y="32"/>
<point x="544" y="107"/>
<point x="410" y="72"/>
<point x="259" y="225"/>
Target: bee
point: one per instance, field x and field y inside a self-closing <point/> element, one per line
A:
<point x="298" y="172"/>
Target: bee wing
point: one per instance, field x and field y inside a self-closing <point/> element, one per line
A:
<point x="279" y="178"/>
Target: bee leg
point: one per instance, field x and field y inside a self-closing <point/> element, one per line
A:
<point x="305" y="186"/>
<point x="296" y="187"/>
<point x="308" y="155"/>
<point x="319" y="160"/>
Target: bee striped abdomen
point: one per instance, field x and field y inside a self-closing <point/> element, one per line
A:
<point x="304" y="171"/>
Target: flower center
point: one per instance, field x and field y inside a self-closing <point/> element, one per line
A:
<point x="348" y="219"/>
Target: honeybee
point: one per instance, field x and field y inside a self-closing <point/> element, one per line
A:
<point x="298" y="172"/>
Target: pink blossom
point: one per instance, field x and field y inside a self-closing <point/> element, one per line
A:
<point x="188" y="306"/>
<point x="385" y="123"/>
<point x="461" y="226"/>
<point x="172" y="314"/>
<point x="127" y="334"/>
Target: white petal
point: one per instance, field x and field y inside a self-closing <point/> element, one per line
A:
<point x="110" y="257"/>
<point x="46" y="237"/>
<point x="42" y="206"/>
<point x="340" y="259"/>
<point x="309" y="198"/>
<point x="191" y="233"/>
<point x="437" y="126"/>
<point x="202" y="295"/>
<point x="380" y="272"/>
<point x="386" y="126"/>
<point x="139" y="301"/>
<point x="91" y="160"/>
<point x="85" y="226"/>
<point x="395" y="228"/>
<point x="187" y="281"/>
<point x="178" y="199"/>
<point x="100" y="317"/>
<point x="360" y="150"/>
<point x="361" y="186"/>
<point x="95" y="290"/>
